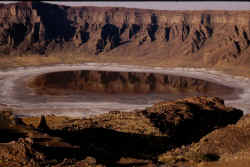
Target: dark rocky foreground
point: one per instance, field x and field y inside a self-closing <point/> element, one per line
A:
<point x="180" y="133"/>
<point x="178" y="37"/>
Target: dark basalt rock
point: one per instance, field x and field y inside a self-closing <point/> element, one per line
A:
<point x="190" y="119"/>
<point x="43" y="124"/>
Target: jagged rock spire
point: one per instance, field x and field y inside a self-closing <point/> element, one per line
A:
<point x="43" y="124"/>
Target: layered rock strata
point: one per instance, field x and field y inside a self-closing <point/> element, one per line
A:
<point x="212" y="36"/>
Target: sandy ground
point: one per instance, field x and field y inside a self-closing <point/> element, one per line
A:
<point x="15" y="94"/>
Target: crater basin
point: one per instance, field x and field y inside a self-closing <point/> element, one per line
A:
<point x="91" y="88"/>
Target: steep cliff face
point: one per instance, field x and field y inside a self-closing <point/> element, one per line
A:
<point x="213" y="36"/>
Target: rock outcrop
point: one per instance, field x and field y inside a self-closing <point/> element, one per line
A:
<point x="7" y="120"/>
<point x="19" y="153"/>
<point x="185" y="118"/>
<point x="212" y="37"/>
<point x="43" y="124"/>
<point x="125" y="138"/>
<point x="191" y="118"/>
<point x="228" y="146"/>
<point x="10" y="126"/>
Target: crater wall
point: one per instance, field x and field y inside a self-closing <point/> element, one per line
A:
<point x="41" y="28"/>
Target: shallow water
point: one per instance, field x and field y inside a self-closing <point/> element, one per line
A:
<point x="14" y="92"/>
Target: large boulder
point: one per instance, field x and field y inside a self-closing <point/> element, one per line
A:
<point x="189" y="119"/>
<point x="7" y="119"/>
<point x="11" y="127"/>
<point x="19" y="153"/>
